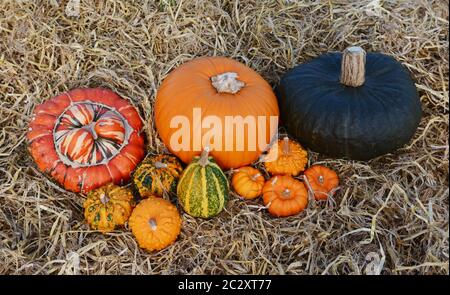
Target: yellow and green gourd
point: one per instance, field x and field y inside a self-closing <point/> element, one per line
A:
<point x="157" y="175"/>
<point x="108" y="207"/>
<point x="203" y="187"/>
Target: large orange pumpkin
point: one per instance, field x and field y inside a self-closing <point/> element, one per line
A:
<point x="86" y="138"/>
<point x="223" y="88"/>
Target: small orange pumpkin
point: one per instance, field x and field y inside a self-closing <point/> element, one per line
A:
<point x="286" y="157"/>
<point x="156" y="223"/>
<point x="247" y="182"/>
<point x="322" y="181"/>
<point x="284" y="196"/>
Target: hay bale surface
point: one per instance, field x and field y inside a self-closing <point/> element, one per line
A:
<point x="390" y="216"/>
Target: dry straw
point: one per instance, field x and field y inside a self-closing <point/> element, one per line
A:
<point x="390" y="215"/>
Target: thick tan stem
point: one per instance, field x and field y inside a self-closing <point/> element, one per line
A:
<point x="353" y="66"/>
<point x="204" y="157"/>
<point x="286" y="148"/>
<point x="227" y="83"/>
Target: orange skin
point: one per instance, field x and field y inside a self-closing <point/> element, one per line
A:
<point x="155" y="223"/>
<point x="284" y="196"/>
<point x="69" y="145"/>
<point x="190" y="86"/>
<point x="111" y="127"/>
<point x="83" y="179"/>
<point x="248" y="182"/>
<point x="322" y="181"/>
<point x="291" y="158"/>
<point x="108" y="207"/>
<point x="84" y="114"/>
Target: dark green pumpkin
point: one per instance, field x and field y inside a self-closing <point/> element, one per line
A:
<point x="359" y="122"/>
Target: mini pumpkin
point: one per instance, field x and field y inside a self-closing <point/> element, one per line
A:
<point x="155" y="223"/>
<point x="108" y="207"/>
<point x="351" y="104"/>
<point x="223" y="88"/>
<point x="157" y="175"/>
<point x="86" y="138"/>
<point x="247" y="182"/>
<point x="322" y="180"/>
<point x="284" y="196"/>
<point x="203" y="187"/>
<point x="286" y="157"/>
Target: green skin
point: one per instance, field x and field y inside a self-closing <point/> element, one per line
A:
<point x="198" y="200"/>
<point x="150" y="179"/>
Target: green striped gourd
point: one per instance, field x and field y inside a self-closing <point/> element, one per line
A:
<point x="157" y="175"/>
<point x="203" y="187"/>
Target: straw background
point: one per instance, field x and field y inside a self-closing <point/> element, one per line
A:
<point x="391" y="214"/>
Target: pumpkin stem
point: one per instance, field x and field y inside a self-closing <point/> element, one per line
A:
<point x="353" y="66"/>
<point x="104" y="199"/>
<point x="321" y="179"/>
<point x="159" y="164"/>
<point x="152" y="223"/>
<point x="286" y="148"/>
<point x="286" y="193"/>
<point x="91" y="128"/>
<point x="274" y="180"/>
<point x="204" y="157"/>
<point x="254" y="177"/>
<point x="227" y="83"/>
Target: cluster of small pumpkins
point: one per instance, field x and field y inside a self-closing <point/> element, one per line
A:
<point x="202" y="189"/>
<point x="91" y="140"/>
<point x="283" y="195"/>
<point x="155" y="222"/>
